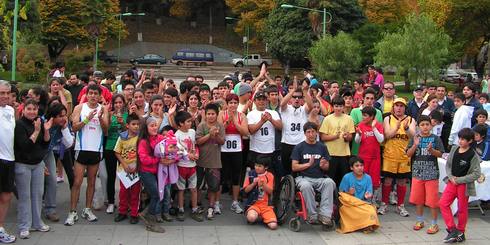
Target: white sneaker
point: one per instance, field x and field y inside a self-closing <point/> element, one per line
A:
<point x="5" y="237"/>
<point x="24" y="234"/>
<point x="382" y="208"/>
<point x="235" y="207"/>
<point x="110" y="209"/>
<point x="44" y="228"/>
<point x="210" y="213"/>
<point x="393" y="198"/>
<point x="60" y="179"/>
<point x="72" y="218"/>
<point x="217" y="208"/>
<point x="88" y="215"/>
<point x="402" y="211"/>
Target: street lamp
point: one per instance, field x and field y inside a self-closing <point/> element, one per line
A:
<point x="14" y="40"/>
<point x="324" y="11"/>
<point x="246" y="42"/>
<point x="119" y="34"/>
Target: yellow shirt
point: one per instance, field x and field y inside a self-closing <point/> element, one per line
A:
<point x="127" y="149"/>
<point x="331" y="126"/>
<point x="388" y="105"/>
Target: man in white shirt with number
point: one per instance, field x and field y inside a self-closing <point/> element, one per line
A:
<point x="262" y="124"/>
<point x="294" y="117"/>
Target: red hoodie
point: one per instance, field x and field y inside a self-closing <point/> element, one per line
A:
<point x="149" y="162"/>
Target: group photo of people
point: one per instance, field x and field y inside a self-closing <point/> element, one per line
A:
<point x="148" y="150"/>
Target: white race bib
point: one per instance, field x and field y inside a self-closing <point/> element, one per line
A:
<point x="233" y="143"/>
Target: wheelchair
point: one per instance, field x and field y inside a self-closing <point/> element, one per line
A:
<point x="290" y="206"/>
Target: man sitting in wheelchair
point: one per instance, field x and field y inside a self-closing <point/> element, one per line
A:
<point x="259" y="186"/>
<point x="310" y="162"/>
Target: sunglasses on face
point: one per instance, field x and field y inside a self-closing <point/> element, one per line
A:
<point x="297" y="97"/>
<point x="388" y="88"/>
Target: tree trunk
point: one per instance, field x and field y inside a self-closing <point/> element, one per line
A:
<point x="407" y="81"/>
<point x="481" y="60"/>
<point x="54" y="50"/>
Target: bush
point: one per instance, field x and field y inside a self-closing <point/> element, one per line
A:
<point x="32" y="62"/>
<point x="77" y="59"/>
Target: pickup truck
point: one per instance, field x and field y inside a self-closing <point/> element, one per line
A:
<point x="251" y="60"/>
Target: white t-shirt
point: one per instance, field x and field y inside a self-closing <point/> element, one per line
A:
<point x="7" y="130"/>
<point x="437" y="130"/>
<point x="263" y="140"/>
<point x="187" y="142"/>
<point x="58" y="73"/>
<point x="293" y="120"/>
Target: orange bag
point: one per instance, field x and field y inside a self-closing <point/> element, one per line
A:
<point x="356" y="214"/>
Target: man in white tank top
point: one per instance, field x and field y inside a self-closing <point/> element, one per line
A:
<point x="89" y="120"/>
<point x="294" y="117"/>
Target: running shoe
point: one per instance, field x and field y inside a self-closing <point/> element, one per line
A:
<point x="235" y="207"/>
<point x="382" y="208"/>
<point x="89" y="215"/>
<point x="72" y="218"/>
<point x="402" y="211"/>
<point x="5" y="237"/>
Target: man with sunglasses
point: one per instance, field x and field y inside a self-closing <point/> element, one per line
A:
<point x="294" y="117"/>
<point x="385" y="103"/>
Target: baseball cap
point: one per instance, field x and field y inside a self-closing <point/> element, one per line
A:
<point x="260" y="95"/>
<point x="418" y="88"/>
<point x="400" y="100"/>
<point x="98" y="74"/>
<point x="244" y="88"/>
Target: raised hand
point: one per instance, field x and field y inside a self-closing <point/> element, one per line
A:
<point x="37" y="125"/>
<point x="48" y="124"/>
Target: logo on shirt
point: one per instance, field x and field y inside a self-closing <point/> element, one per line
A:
<point x="308" y="156"/>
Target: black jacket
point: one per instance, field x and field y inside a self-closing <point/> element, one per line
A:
<point x="25" y="150"/>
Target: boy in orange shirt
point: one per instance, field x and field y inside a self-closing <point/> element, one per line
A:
<point x="259" y="186"/>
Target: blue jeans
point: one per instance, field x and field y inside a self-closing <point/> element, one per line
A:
<point x="150" y="184"/>
<point x="50" y="184"/>
<point x="166" y="200"/>
<point x="30" y="186"/>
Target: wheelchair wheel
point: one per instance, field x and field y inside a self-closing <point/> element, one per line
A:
<point x="285" y="204"/>
<point x="295" y="224"/>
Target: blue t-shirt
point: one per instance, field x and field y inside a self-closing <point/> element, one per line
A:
<point x="304" y="151"/>
<point x="362" y="185"/>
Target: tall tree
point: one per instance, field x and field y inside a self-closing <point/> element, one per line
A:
<point x="252" y="13"/>
<point x="417" y="51"/>
<point x="336" y="56"/>
<point x="66" y="22"/>
<point x="287" y="35"/>
<point x="385" y="11"/>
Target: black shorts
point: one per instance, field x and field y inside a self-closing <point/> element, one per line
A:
<point x="232" y="167"/>
<point x="88" y="158"/>
<point x="264" y="158"/>
<point x="210" y="177"/>
<point x="7" y="176"/>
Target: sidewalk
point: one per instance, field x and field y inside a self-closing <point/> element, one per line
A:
<point x="230" y="228"/>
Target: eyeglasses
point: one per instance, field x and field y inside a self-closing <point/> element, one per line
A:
<point x="297" y="97"/>
<point x="388" y="88"/>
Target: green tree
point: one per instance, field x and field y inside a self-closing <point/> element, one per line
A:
<point x="417" y="51"/>
<point x="368" y="35"/>
<point x="287" y="35"/>
<point x="336" y="56"/>
<point x="65" y="22"/>
<point x="6" y="20"/>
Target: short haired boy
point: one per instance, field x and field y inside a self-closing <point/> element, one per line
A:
<point x="357" y="183"/>
<point x="186" y="138"/>
<point x="462" y="118"/>
<point x="125" y="151"/>
<point x="462" y="169"/>
<point x="259" y="185"/>
<point x="210" y="135"/>
<point x="369" y="134"/>
<point x="424" y="149"/>
<point x="481" y="119"/>
<point x="481" y="143"/>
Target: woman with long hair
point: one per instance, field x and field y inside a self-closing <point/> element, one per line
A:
<point x="193" y="101"/>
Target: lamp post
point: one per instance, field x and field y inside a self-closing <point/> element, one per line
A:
<point x="119" y="34"/>
<point x="324" y="12"/>
<point x="14" y="40"/>
<point x="245" y="48"/>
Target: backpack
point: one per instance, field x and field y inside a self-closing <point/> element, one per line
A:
<point x="253" y="195"/>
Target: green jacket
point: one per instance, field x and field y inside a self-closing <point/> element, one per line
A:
<point x="473" y="174"/>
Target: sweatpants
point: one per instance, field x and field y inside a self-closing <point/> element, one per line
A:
<point x="29" y="180"/>
<point x="450" y="193"/>
<point x="325" y="186"/>
<point x="129" y="199"/>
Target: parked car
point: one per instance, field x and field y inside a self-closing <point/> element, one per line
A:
<point x="474" y="76"/>
<point x="449" y="75"/>
<point x="251" y="60"/>
<point x="186" y="57"/>
<point x="102" y="56"/>
<point x="149" y="59"/>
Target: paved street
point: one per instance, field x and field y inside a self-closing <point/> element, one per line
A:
<point x="230" y="228"/>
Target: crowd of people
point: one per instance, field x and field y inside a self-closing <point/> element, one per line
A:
<point x="167" y="144"/>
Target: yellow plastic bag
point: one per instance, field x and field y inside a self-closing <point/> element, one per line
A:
<point x="356" y="214"/>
